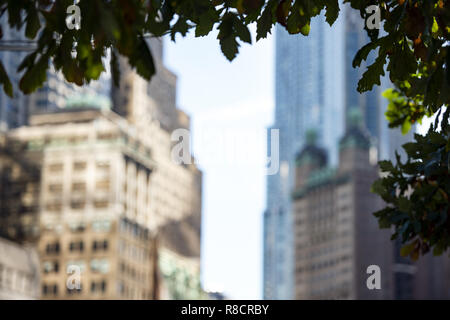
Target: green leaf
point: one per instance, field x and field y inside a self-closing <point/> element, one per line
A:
<point x="229" y="47"/>
<point x="386" y="166"/>
<point x="265" y="22"/>
<point x="227" y="38"/>
<point x="404" y="204"/>
<point x="35" y="76"/>
<point x="372" y="75"/>
<point x="4" y="80"/>
<point x="141" y="58"/>
<point x="406" y="126"/>
<point x="242" y="31"/>
<point x="332" y="11"/>
<point x="181" y="26"/>
<point x="305" y="29"/>
<point x="365" y="50"/>
<point x="407" y="249"/>
<point x="33" y="24"/>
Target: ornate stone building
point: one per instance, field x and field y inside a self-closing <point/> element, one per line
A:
<point x="337" y="237"/>
<point x="108" y="192"/>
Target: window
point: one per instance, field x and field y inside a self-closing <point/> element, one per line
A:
<point x="79" y="186"/>
<point x="77" y="204"/>
<point x="101" y="225"/>
<point x="56" y="188"/>
<point x="76" y="246"/>
<point x="100" y="204"/>
<point x="51" y="267"/>
<point x="98" y="286"/>
<point x="103" y="165"/>
<point x="100" y="265"/>
<point x="102" y="185"/>
<point x="77" y="226"/>
<point x="106" y="136"/>
<point x="76" y="263"/>
<point x="54" y="206"/>
<point x="100" y="245"/>
<point x="78" y="166"/>
<point x="52" y="248"/>
<point x="78" y="139"/>
<point x="75" y="290"/>
<point x="48" y="289"/>
<point x="55" y="167"/>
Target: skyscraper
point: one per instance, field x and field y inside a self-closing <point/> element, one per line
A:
<point x="336" y="237"/>
<point x="13" y="111"/>
<point x="55" y="93"/>
<point x="315" y="87"/>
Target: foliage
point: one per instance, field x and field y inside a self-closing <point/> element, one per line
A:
<point x="413" y="49"/>
<point x="418" y="193"/>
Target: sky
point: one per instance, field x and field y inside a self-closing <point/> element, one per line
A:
<point x="231" y="105"/>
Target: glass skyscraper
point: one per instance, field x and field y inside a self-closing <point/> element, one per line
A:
<point x="315" y="87"/>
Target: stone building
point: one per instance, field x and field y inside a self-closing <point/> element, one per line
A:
<point x="336" y="236"/>
<point x="107" y="190"/>
<point x="176" y="189"/>
<point x="93" y="214"/>
<point x="19" y="271"/>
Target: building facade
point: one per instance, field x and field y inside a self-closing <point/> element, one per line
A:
<point x="315" y="87"/>
<point x="93" y="209"/>
<point x="336" y="236"/>
<point x="107" y="189"/>
<point x="19" y="271"/>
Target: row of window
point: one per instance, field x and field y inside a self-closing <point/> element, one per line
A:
<point x="96" y="287"/>
<point x="80" y="226"/>
<point x="97" y="265"/>
<point x="78" y="166"/>
<point x="78" y="186"/>
<point x="76" y="205"/>
<point x="134" y="274"/>
<point x="97" y="245"/>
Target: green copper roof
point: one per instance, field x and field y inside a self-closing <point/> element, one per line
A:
<point x="355" y="138"/>
<point x="83" y="100"/>
<point x="319" y="178"/>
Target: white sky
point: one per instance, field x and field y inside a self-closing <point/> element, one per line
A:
<point x="230" y="105"/>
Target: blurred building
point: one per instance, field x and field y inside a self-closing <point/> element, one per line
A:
<point x="93" y="213"/>
<point x="336" y="236"/>
<point x="19" y="271"/>
<point x="14" y="46"/>
<point x="56" y="93"/>
<point x="107" y="189"/>
<point x="315" y="87"/>
<point x="176" y="189"/>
